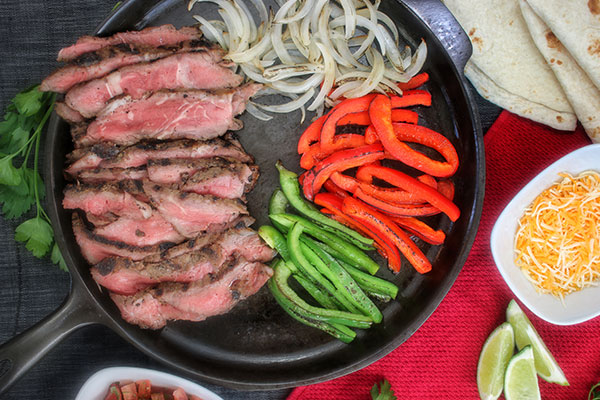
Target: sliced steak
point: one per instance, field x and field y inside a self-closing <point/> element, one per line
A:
<point x="123" y="276"/>
<point x="95" y="248"/>
<point x="141" y="232"/>
<point x="152" y="308"/>
<point x="67" y="113"/>
<point x="192" y="214"/>
<point x="99" y="63"/>
<point x="192" y="114"/>
<point x="108" y="198"/>
<point x="100" y="175"/>
<point x="215" y="176"/>
<point x="165" y="35"/>
<point x="107" y="155"/>
<point x="196" y="70"/>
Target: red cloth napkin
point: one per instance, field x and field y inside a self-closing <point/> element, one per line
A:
<point x="440" y="360"/>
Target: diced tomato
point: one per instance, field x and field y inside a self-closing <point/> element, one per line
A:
<point x="179" y="394"/>
<point x="129" y="391"/>
<point x="144" y="389"/>
<point x="157" y="396"/>
<point x="114" y="392"/>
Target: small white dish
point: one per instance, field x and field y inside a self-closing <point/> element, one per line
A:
<point x="578" y="306"/>
<point x="96" y="387"/>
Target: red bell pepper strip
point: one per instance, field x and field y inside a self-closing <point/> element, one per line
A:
<point x="338" y="112"/>
<point x="380" y="112"/>
<point x="315" y="152"/>
<point x="414" y="82"/>
<point x="410" y="184"/>
<point x="421" y="229"/>
<point x="337" y="162"/>
<point x="386" y="249"/>
<point x="301" y="177"/>
<point x="335" y="189"/>
<point x="430" y="138"/>
<point x="411" y="98"/>
<point x="372" y="218"/>
<point x="371" y="135"/>
<point x="311" y="134"/>
<point x="362" y="118"/>
<point x="397" y="209"/>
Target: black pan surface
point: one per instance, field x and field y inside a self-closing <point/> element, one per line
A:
<point x="256" y="345"/>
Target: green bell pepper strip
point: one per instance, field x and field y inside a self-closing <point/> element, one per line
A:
<point x="378" y="287"/>
<point x="280" y="277"/>
<point x="322" y="296"/>
<point x="345" y="251"/>
<point x="338" y="331"/>
<point x="278" y="202"/>
<point x="342" y="280"/>
<point x="300" y="261"/>
<point x="289" y="184"/>
<point x="275" y="240"/>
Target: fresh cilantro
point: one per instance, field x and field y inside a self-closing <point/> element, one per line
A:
<point x="21" y="186"/>
<point x="382" y="391"/>
<point x="594" y="393"/>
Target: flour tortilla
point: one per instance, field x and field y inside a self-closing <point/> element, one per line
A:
<point x="519" y="105"/>
<point x="576" y="23"/>
<point x="504" y="51"/>
<point x="583" y="95"/>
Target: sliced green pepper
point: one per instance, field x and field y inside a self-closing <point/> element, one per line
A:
<point x="275" y="240"/>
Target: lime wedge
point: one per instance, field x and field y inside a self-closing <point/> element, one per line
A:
<point x="495" y="355"/>
<point x="525" y="334"/>
<point x="520" y="381"/>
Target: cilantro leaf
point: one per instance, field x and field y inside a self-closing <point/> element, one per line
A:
<point x="9" y="175"/>
<point x="29" y="102"/>
<point x="37" y="235"/>
<point x="57" y="258"/>
<point x="15" y="200"/>
<point x="382" y="391"/>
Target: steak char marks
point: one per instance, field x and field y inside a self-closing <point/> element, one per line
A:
<point x="158" y="184"/>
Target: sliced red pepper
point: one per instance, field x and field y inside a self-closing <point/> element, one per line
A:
<point x="421" y="229"/>
<point x="345" y="182"/>
<point x="411" y="98"/>
<point x="371" y="135"/>
<point x="334" y="204"/>
<point x="430" y="138"/>
<point x="410" y="184"/>
<point x="301" y="177"/>
<point x="337" y="162"/>
<point x="374" y="219"/>
<point x="315" y="152"/>
<point x="400" y="196"/>
<point x="396" y="209"/>
<point x="346" y="107"/>
<point x="335" y="189"/>
<point x="358" y="118"/>
<point x="362" y="118"/>
<point x="414" y="82"/>
<point x="311" y="134"/>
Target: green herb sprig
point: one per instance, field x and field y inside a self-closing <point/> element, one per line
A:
<point x="382" y="391"/>
<point x="594" y="393"/>
<point x="21" y="186"/>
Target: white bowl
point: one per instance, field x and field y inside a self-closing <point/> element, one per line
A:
<point x="96" y="387"/>
<point x="578" y="306"/>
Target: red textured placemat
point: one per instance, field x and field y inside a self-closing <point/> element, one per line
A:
<point x="439" y="361"/>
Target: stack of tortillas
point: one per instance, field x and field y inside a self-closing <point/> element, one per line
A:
<point x="537" y="58"/>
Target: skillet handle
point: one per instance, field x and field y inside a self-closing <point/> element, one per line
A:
<point x="445" y="27"/>
<point x="26" y="349"/>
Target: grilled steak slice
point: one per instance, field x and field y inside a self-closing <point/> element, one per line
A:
<point x="110" y="156"/>
<point x="191" y="114"/>
<point x="165" y="35"/>
<point x="123" y="276"/>
<point x="98" y="63"/>
<point x="95" y="248"/>
<point x="67" y="113"/>
<point x="152" y="308"/>
<point x="141" y="232"/>
<point x="196" y="70"/>
<point x="100" y="175"/>
<point x="109" y="198"/>
<point x="192" y="214"/>
<point x="216" y="176"/>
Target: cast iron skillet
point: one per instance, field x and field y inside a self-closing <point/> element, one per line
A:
<point x="257" y="346"/>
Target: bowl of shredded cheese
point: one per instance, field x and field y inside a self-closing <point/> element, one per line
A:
<point x="546" y="242"/>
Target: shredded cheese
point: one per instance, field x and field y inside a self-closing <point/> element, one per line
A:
<point x="557" y="244"/>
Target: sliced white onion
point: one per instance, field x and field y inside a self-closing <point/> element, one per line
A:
<point x="213" y="34"/>
<point x="280" y="72"/>
<point x="329" y="79"/>
<point x="255" y="52"/>
<point x="365" y="23"/>
<point x="374" y="77"/>
<point x="418" y="60"/>
<point x="341" y="90"/>
<point x="298" y="86"/>
<point x="349" y="17"/>
<point x="244" y="11"/>
<point x="372" y="15"/>
<point x="262" y="10"/>
<point x="303" y="12"/>
<point x="257" y="113"/>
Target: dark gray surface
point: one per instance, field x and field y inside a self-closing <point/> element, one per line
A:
<point x="32" y="32"/>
